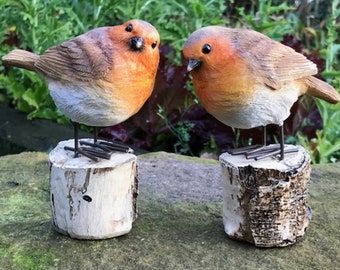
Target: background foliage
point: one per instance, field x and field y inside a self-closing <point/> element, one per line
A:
<point x="172" y="119"/>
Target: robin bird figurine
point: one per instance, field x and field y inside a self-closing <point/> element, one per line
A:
<point x="99" y="78"/>
<point x="245" y="79"/>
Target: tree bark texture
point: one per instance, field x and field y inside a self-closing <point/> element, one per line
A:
<point x="265" y="202"/>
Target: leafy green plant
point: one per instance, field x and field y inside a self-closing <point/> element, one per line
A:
<point x="37" y="25"/>
<point x="325" y="147"/>
<point x="181" y="130"/>
<point x="272" y="20"/>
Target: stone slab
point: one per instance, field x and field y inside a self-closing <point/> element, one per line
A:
<point x="179" y="225"/>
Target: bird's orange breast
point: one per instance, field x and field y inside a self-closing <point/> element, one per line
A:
<point x="226" y="86"/>
<point x="131" y="83"/>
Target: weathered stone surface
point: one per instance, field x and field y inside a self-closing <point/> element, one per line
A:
<point x="179" y="225"/>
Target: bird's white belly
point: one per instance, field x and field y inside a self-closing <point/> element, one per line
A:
<point x="267" y="106"/>
<point x="88" y="105"/>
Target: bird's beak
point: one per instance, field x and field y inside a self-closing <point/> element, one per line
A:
<point x="193" y="63"/>
<point x="137" y="43"/>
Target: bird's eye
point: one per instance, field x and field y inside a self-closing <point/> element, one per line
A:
<point x="129" y="28"/>
<point x="154" y="44"/>
<point x="206" y="48"/>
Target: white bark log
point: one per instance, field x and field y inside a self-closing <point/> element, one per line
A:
<point x="92" y="200"/>
<point x="265" y="201"/>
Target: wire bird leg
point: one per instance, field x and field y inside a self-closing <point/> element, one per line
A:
<point x="98" y="149"/>
<point x="258" y="152"/>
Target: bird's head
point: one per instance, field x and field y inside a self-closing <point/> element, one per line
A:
<point x="140" y="36"/>
<point x="206" y="47"/>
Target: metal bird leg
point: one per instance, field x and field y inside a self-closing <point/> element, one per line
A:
<point x="98" y="149"/>
<point x="259" y="152"/>
<point x="95" y="134"/>
<point x="282" y="142"/>
<point x="76" y="139"/>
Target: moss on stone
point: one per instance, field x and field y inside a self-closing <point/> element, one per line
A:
<point x="163" y="155"/>
<point x="33" y="260"/>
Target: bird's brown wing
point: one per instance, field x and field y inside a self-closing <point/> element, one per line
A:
<point x="82" y="58"/>
<point x="274" y="63"/>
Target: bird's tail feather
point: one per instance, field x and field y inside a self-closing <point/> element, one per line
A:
<point x="322" y="90"/>
<point x="20" y="59"/>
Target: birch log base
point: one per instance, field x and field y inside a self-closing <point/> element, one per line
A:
<point x="92" y="200"/>
<point x="265" y="201"/>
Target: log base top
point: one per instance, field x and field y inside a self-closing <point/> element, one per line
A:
<point x="291" y="160"/>
<point x="60" y="157"/>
